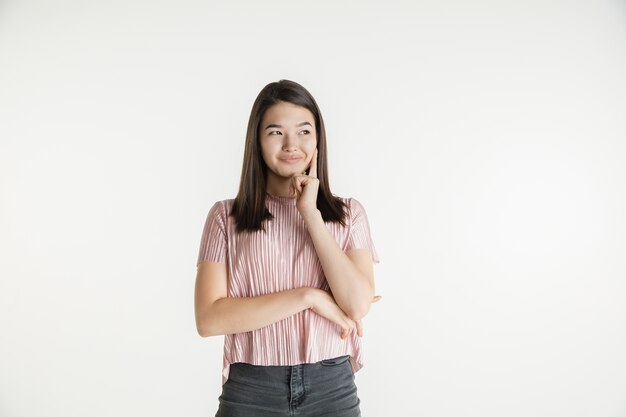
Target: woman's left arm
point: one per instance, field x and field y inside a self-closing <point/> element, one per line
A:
<point x="350" y="275"/>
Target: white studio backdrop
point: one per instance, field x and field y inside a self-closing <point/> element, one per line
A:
<point x="486" y="140"/>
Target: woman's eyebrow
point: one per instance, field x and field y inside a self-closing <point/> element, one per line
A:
<point x="298" y="125"/>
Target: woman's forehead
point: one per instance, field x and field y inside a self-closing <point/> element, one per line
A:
<point x="287" y="114"/>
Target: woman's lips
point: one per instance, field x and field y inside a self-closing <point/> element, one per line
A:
<point x="290" y="160"/>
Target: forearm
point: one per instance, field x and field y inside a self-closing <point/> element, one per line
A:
<point x="242" y="314"/>
<point x="350" y="287"/>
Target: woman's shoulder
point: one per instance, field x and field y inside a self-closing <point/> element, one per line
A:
<point x="225" y="202"/>
<point x="352" y="207"/>
<point x="349" y="201"/>
<point x="222" y="206"/>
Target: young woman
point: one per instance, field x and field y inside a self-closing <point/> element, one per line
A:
<point x="285" y="271"/>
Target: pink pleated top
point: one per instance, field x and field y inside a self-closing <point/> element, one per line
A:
<point x="281" y="258"/>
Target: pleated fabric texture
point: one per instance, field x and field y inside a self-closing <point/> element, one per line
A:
<point x="281" y="258"/>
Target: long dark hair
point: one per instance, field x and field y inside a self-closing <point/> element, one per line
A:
<point x="249" y="207"/>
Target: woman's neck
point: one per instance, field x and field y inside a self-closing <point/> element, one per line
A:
<point x="278" y="186"/>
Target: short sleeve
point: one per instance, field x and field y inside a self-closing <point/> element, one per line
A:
<point x="214" y="243"/>
<point x="359" y="236"/>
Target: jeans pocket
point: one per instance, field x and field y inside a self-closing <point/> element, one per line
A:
<point x="335" y="361"/>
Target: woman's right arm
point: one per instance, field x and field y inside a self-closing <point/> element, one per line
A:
<point x="217" y="314"/>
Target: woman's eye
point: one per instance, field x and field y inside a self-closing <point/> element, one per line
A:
<point x="278" y="132"/>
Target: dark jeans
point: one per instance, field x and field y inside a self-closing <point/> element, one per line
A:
<point x="324" y="388"/>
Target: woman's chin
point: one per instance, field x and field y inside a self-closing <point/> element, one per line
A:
<point x="284" y="174"/>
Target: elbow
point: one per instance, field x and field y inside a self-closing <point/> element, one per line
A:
<point x="206" y="323"/>
<point x="202" y="330"/>
<point x="358" y="313"/>
<point x="205" y="329"/>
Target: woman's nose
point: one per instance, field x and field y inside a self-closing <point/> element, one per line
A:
<point x="289" y="142"/>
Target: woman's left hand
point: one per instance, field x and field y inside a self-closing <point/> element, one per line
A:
<point x="305" y="188"/>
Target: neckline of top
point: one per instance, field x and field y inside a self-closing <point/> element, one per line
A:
<point x="280" y="199"/>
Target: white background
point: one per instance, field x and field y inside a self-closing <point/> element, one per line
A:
<point x="486" y="140"/>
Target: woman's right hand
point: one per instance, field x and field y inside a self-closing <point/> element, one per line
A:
<point x="323" y="303"/>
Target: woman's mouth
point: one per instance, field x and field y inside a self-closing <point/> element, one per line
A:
<point x="290" y="160"/>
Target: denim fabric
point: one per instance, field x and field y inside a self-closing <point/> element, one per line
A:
<point x="324" y="388"/>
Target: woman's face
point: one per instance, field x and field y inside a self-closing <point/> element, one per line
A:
<point x="288" y="139"/>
